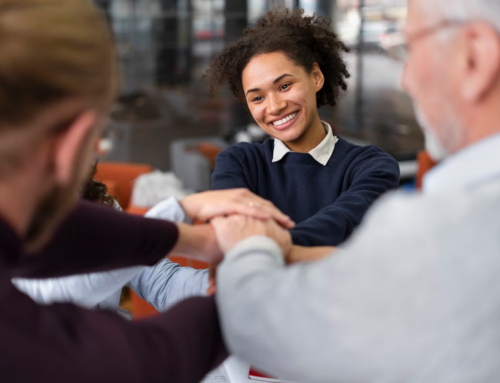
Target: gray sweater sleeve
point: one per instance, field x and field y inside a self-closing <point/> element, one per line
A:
<point x="394" y="305"/>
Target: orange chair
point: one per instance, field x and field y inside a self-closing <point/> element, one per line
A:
<point x="425" y="163"/>
<point x="120" y="177"/>
<point x="210" y="151"/>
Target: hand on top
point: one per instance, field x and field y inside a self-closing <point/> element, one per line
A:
<point x="210" y="204"/>
<point x="235" y="228"/>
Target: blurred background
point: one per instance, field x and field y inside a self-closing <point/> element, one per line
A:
<point x="166" y="118"/>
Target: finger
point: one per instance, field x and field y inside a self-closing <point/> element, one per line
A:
<point x="276" y="213"/>
<point x="264" y="209"/>
<point x="271" y="211"/>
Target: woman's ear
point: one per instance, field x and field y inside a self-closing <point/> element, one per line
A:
<point x="318" y="77"/>
<point x="73" y="145"/>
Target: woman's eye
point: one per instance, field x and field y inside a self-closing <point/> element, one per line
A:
<point x="285" y="86"/>
<point x="258" y="98"/>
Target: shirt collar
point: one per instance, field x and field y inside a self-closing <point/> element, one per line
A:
<point x="467" y="168"/>
<point x="320" y="153"/>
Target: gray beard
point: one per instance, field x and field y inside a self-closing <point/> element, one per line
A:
<point x="435" y="149"/>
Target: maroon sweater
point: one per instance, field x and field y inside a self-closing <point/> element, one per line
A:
<point x="64" y="343"/>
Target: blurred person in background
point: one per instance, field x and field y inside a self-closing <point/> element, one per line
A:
<point x="58" y="78"/>
<point x="161" y="285"/>
<point x="284" y="69"/>
<point x="413" y="295"/>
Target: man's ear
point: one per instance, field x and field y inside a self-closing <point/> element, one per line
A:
<point x="481" y="61"/>
<point x="318" y="76"/>
<point x="69" y="145"/>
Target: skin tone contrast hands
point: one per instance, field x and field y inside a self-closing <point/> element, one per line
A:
<point x="207" y="205"/>
<point x="199" y="241"/>
<point x="235" y="215"/>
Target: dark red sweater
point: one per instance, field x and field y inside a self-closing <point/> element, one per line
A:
<point x="64" y="343"/>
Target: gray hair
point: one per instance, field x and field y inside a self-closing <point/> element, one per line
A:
<point x="467" y="10"/>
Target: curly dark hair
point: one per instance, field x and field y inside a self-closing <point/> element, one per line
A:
<point x="303" y="39"/>
<point x="96" y="191"/>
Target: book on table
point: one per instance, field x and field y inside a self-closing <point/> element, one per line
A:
<point x="254" y="374"/>
<point x="234" y="370"/>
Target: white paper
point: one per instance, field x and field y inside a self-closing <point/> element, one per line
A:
<point x="237" y="371"/>
<point x="219" y="375"/>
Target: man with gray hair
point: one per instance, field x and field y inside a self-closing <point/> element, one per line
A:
<point x="413" y="296"/>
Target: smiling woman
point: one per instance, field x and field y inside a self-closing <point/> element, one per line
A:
<point x="284" y="69"/>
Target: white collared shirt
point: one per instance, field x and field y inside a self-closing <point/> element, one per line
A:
<point x="467" y="168"/>
<point x="320" y="153"/>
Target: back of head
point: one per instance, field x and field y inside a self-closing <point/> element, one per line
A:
<point x="466" y="10"/>
<point x="52" y="50"/>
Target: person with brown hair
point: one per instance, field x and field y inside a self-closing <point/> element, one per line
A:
<point x="58" y="78"/>
<point x="161" y="285"/>
<point x="284" y="69"/>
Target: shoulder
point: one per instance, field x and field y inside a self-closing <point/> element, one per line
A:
<point x="416" y="217"/>
<point x="411" y="234"/>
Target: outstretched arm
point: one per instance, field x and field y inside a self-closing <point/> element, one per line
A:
<point x="167" y="283"/>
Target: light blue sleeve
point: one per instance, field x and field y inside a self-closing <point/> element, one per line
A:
<point x="167" y="283"/>
<point x="86" y="290"/>
<point x="161" y="285"/>
<point x="93" y="290"/>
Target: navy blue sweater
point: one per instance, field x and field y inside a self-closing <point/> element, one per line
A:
<point x="326" y="202"/>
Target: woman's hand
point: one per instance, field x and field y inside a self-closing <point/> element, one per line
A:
<point x="207" y="205"/>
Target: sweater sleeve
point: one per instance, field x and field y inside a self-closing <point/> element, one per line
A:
<point x="230" y="172"/>
<point x="64" y="343"/>
<point x="371" y="174"/>
<point x="96" y="238"/>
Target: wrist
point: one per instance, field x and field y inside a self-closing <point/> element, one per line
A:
<point x="207" y="246"/>
<point x="189" y="207"/>
<point x="197" y="242"/>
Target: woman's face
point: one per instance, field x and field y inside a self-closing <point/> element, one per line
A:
<point x="281" y="95"/>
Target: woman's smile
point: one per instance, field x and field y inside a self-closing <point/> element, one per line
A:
<point x="284" y="122"/>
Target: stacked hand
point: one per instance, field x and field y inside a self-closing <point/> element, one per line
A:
<point x="233" y="229"/>
<point x="207" y="205"/>
<point x="235" y="215"/>
<point x="200" y="241"/>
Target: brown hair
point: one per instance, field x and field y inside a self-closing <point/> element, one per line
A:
<point x="303" y="39"/>
<point x="96" y="191"/>
<point x="52" y="50"/>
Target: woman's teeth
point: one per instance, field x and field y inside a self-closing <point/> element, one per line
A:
<point x="286" y="119"/>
